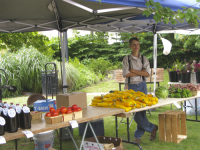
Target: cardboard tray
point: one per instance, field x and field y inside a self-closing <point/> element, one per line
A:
<point x="36" y="115"/>
<point x="195" y="93"/>
<point x="53" y="120"/>
<point x="104" y="141"/>
<point x="66" y="117"/>
<point x="77" y="115"/>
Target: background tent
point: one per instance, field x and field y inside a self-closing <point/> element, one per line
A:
<point x="104" y="16"/>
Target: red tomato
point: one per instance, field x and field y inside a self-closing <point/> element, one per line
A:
<point x="74" y="107"/>
<point x="69" y="108"/>
<point x="59" y="110"/>
<point x="63" y="109"/>
<point x="48" y="114"/>
<point x="68" y="111"/>
<point x="74" y="110"/>
<point x="55" y="113"/>
<point x="79" y="109"/>
<point x="52" y="109"/>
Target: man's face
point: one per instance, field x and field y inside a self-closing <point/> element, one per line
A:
<point x="135" y="46"/>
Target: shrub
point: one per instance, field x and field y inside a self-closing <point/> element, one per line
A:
<point x="23" y="69"/>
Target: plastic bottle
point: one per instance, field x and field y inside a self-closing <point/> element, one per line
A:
<point x="25" y="118"/>
<point x="1" y="104"/>
<point x="11" y="120"/>
<point x="2" y="125"/>
<point x="4" y="114"/>
<point x="13" y="106"/>
<point x="18" y="114"/>
<point x="1" y="109"/>
<point x="6" y="104"/>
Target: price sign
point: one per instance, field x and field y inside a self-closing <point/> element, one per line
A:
<point x="2" y="140"/>
<point x="73" y="123"/>
<point x="28" y="133"/>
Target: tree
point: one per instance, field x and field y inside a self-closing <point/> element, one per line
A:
<point x="165" y="14"/>
<point x="15" y="41"/>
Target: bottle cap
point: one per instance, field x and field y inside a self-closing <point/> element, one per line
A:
<point x="17" y="104"/>
<point x="24" y="104"/>
<point x="4" y="106"/>
<point x="4" y="102"/>
<point x="11" y="103"/>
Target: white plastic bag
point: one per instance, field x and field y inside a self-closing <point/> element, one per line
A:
<point x="167" y="46"/>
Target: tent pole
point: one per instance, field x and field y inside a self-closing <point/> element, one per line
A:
<point x="62" y="38"/>
<point x="155" y="55"/>
<point x="66" y="46"/>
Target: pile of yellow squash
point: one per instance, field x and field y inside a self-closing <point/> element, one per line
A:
<point x="127" y="100"/>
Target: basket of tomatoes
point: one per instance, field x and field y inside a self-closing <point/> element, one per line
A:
<point x="63" y="114"/>
<point x="77" y="112"/>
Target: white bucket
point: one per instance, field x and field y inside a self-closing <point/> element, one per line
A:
<point x="189" y="105"/>
<point x="43" y="140"/>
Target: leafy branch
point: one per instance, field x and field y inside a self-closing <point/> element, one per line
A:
<point x="166" y="15"/>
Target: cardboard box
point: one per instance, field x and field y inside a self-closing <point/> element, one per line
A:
<point x="66" y="117"/>
<point x="36" y="115"/>
<point x="69" y="99"/>
<point x="77" y="115"/>
<point x="44" y="105"/>
<point x="106" y="143"/>
<point x="53" y="120"/>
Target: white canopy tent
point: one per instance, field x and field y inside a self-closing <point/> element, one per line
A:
<point x="104" y="16"/>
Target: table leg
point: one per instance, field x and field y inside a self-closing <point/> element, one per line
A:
<point x="15" y="144"/>
<point x="60" y="138"/>
<point x="119" y="86"/>
<point x="72" y="137"/>
<point x="128" y="133"/>
<point x="196" y="108"/>
<point x="93" y="134"/>
<point x="116" y="123"/>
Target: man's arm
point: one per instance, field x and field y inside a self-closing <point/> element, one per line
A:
<point x="139" y="73"/>
<point x="130" y="74"/>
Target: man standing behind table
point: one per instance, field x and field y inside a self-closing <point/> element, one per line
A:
<point x="136" y="80"/>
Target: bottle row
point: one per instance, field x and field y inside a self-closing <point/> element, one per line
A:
<point x="14" y="117"/>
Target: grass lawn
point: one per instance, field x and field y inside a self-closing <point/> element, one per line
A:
<point x="109" y="127"/>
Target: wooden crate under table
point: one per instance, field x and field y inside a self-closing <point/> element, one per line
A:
<point x="172" y="126"/>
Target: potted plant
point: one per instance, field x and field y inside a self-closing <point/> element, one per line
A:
<point x="197" y="71"/>
<point x="174" y="71"/>
<point x="186" y="70"/>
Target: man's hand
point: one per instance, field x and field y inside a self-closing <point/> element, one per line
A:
<point x="131" y="70"/>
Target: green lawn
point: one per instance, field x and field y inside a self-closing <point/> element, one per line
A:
<point x="109" y="127"/>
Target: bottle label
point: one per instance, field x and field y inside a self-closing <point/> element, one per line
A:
<point x="18" y="109"/>
<point x="5" y="112"/>
<point x="13" y="106"/>
<point x="11" y="113"/>
<point x="2" y="121"/>
<point x="26" y="109"/>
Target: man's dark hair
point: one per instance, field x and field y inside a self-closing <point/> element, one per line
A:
<point x="134" y="38"/>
